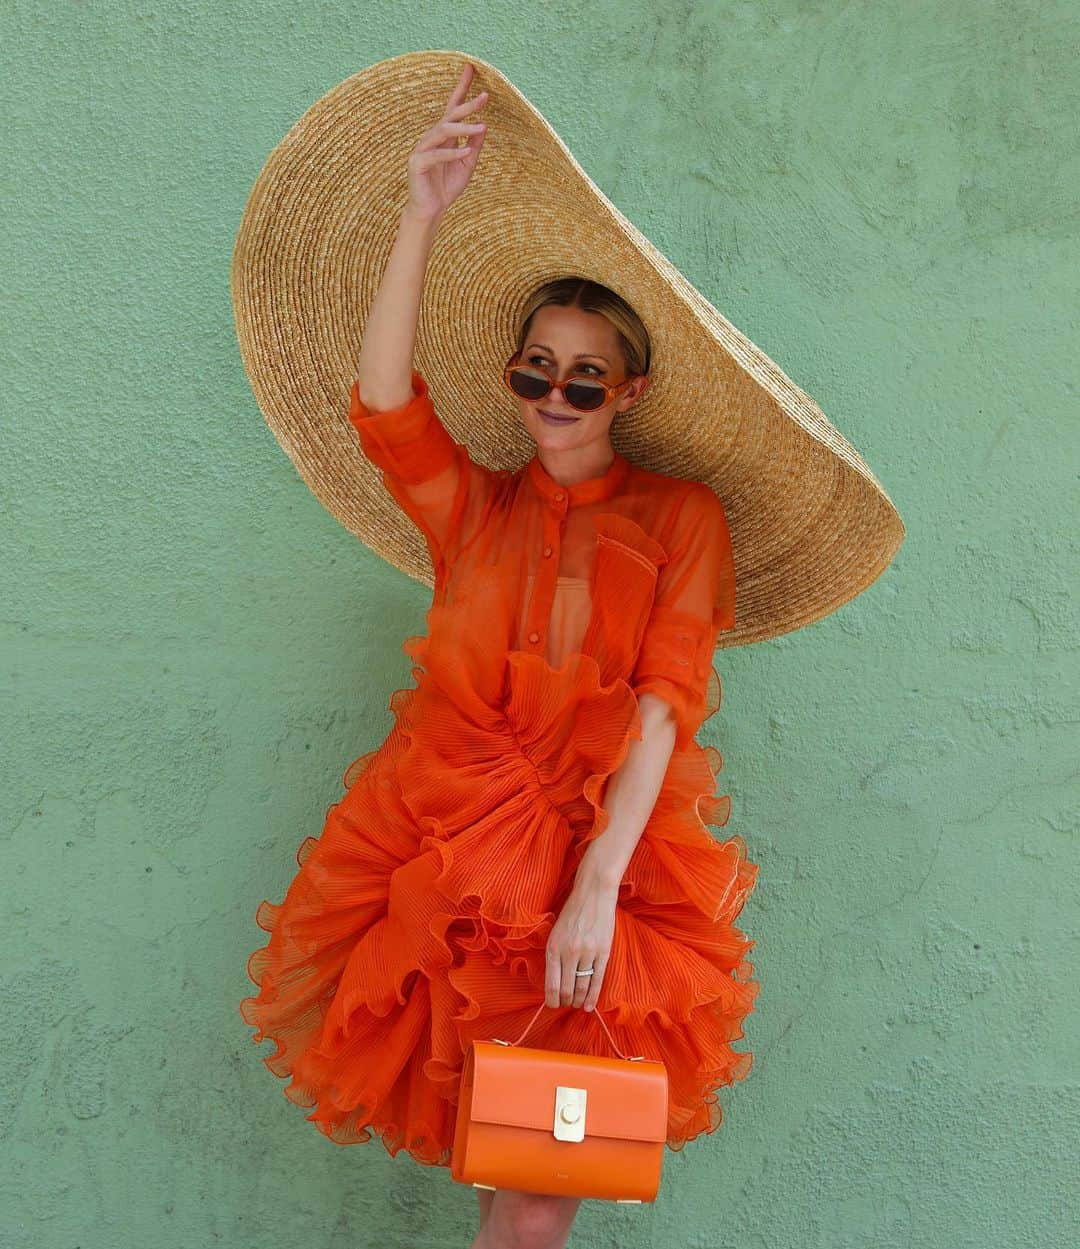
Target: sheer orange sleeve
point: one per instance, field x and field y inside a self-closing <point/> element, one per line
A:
<point x="695" y="599"/>
<point x="429" y="475"/>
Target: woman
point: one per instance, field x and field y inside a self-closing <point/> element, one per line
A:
<point x="534" y="825"/>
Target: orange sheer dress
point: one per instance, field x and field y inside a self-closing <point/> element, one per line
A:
<point x="419" y="917"/>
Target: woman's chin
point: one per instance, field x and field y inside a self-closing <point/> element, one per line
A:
<point x="545" y="435"/>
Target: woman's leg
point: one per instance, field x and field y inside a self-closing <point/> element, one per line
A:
<point x="484" y="1196"/>
<point x="517" y="1220"/>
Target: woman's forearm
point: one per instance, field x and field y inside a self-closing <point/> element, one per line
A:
<point x="630" y="797"/>
<point x="384" y="368"/>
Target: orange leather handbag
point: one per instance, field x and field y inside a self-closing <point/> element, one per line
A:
<point x="563" y="1124"/>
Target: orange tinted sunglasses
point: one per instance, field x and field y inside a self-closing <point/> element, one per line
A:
<point x="586" y="394"/>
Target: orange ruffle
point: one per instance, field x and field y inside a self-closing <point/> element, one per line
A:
<point x="419" y="918"/>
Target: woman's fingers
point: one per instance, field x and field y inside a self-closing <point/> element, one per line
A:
<point x="461" y="87"/>
<point x="442" y="153"/>
<point x="595" y="983"/>
<point x="581" y="987"/>
<point x="569" y="981"/>
<point x="564" y="988"/>
<point x="443" y="131"/>
<point x="572" y="987"/>
<point x="456" y="102"/>
<point x="562" y="983"/>
<point x="580" y="942"/>
<point x="552" y="978"/>
<point x="439" y="168"/>
<point x="425" y="149"/>
<point x="457" y="111"/>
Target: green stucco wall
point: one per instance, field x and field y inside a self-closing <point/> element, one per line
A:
<point x="884" y="197"/>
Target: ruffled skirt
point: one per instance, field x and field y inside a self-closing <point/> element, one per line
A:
<point x="419" y="918"/>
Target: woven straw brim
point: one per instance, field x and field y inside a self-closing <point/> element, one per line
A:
<point x="811" y="525"/>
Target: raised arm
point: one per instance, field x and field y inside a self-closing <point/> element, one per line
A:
<point x="389" y="406"/>
<point x="438" y="171"/>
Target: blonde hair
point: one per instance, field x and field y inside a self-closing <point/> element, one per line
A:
<point x="589" y="296"/>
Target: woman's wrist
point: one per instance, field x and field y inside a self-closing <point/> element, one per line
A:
<point x="411" y="215"/>
<point x="597" y="872"/>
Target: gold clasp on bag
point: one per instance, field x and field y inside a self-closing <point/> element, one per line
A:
<point x="569" y="1113"/>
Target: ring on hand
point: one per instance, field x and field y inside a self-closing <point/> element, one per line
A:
<point x="587" y="972"/>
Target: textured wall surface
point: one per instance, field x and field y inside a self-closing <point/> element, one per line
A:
<point x="884" y="198"/>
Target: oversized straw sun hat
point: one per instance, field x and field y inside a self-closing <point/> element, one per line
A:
<point x="811" y="525"/>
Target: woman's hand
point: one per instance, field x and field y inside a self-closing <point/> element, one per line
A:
<point x="439" y="170"/>
<point x="581" y="937"/>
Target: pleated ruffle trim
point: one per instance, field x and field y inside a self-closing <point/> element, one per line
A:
<point x="419" y="919"/>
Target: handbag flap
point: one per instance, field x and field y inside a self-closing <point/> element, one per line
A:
<point x="515" y="1085"/>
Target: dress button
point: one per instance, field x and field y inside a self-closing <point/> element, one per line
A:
<point x="534" y="637"/>
<point x="547" y="551"/>
<point x="559" y="496"/>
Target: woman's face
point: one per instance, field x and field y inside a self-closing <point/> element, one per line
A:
<point x="566" y="343"/>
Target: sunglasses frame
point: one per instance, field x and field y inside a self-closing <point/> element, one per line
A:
<point x="611" y="391"/>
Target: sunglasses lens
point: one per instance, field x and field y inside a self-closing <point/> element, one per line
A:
<point x="533" y="384"/>
<point x="584" y="395"/>
<point x="529" y="383"/>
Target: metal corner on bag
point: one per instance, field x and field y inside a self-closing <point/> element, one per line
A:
<point x="628" y="1201"/>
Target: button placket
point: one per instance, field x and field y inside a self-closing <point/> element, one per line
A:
<point x="543" y="595"/>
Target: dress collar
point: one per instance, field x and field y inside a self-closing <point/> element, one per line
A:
<point x="587" y="491"/>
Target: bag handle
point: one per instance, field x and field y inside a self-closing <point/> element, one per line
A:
<point x="636" y="1058"/>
